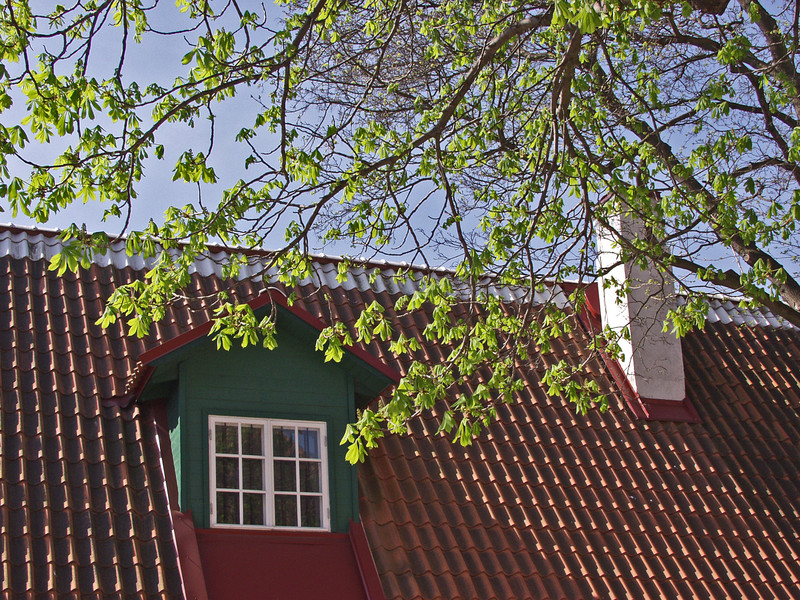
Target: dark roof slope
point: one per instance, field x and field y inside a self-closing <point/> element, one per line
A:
<point x="552" y="505"/>
<point x="83" y="508"/>
<point x="549" y="504"/>
<point x="546" y="504"/>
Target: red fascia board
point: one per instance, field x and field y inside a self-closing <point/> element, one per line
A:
<point x="590" y="311"/>
<point x="260" y="301"/>
<point x="159" y="412"/>
<point x="319" y="325"/>
<point x="192" y="335"/>
<point x="175" y="343"/>
<point x="366" y="564"/>
<point x="194" y="582"/>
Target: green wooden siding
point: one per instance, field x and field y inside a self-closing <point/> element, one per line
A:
<point x="292" y="382"/>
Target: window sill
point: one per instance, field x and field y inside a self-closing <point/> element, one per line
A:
<point x="267" y="528"/>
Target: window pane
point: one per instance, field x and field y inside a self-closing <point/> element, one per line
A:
<point x="228" y="507"/>
<point x="286" y="511"/>
<point x="226" y="435"/>
<point x="228" y="473"/>
<point x="308" y="442"/>
<point x="285" y="476"/>
<point x="252" y="473"/>
<point x="309" y="477"/>
<point x="311" y="511"/>
<point x="252" y="440"/>
<point x="283" y="441"/>
<point x="253" y="509"/>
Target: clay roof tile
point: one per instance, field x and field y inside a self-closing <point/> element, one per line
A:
<point x="547" y="504"/>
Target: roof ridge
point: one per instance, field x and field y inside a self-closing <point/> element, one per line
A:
<point x="22" y="241"/>
<point x="360" y="261"/>
<point x="396" y="277"/>
<point x="219" y="247"/>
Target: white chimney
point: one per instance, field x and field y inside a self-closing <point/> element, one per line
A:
<point x="653" y="360"/>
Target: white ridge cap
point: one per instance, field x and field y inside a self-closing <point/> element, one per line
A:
<point x="38" y="244"/>
<point x="41" y="243"/>
<point x="726" y="310"/>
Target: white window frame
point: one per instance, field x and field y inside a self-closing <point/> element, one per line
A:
<point x="269" y="480"/>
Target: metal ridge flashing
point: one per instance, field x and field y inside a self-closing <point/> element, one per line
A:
<point x="36" y="244"/>
<point x="651" y="409"/>
<point x="52" y="233"/>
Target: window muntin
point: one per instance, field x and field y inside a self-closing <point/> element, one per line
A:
<point x="268" y="473"/>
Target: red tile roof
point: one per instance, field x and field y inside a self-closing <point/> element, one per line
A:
<point x="550" y="504"/>
<point x="545" y="504"/>
<point x="83" y="509"/>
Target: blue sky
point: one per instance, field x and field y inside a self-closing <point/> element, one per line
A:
<point x="158" y="60"/>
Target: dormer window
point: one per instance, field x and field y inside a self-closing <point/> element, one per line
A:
<point x="268" y="473"/>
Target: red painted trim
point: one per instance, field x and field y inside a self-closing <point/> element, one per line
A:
<point x="630" y="396"/>
<point x="319" y="325"/>
<point x="259" y="301"/>
<point x="591" y="309"/>
<point x="590" y="312"/>
<point x="316" y="537"/>
<point x="175" y="343"/>
<point x="194" y="583"/>
<point x="191" y="569"/>
<point x="670" y="410"/>
<point x="159" y="408"/>
<point x="365" y="562"/>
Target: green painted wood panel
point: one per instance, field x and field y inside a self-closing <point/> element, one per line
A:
<point x="291" y="382"/>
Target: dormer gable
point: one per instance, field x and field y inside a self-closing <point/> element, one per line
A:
<point x="254" y="432"/>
